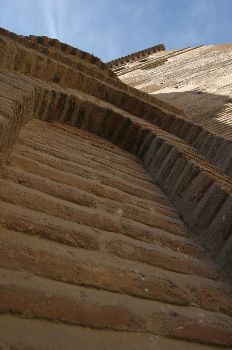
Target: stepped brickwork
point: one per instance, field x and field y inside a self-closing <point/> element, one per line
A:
<point x="115" y="219"/>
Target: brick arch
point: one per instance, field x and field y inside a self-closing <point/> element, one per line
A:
<point x="87" y="96"/>
<point x="164" y="160"/>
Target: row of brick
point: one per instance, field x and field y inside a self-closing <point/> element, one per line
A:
<point x="38" y="297"/>
<point x="37" y="42"/>
<point x="61" y="336"/>
<point x="105" y="277"/>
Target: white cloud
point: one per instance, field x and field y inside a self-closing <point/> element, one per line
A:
<point x="48" y="12"/>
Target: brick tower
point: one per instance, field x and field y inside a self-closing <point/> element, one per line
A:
<point x="115" y="198"/>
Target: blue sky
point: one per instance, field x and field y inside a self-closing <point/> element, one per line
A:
<point x="114" y="28"/>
